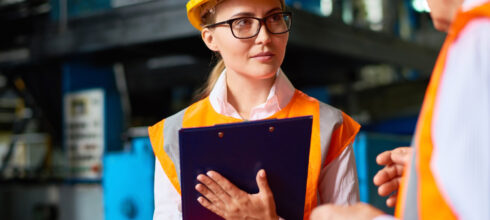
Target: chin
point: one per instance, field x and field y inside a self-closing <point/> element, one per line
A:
<point x="442" y="25"/>
<point x="264" y="73"/>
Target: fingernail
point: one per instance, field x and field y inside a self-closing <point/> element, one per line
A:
<point x="209" y="173"/>
<point x="199" y="199"/>
<point x="262" y="173"/>
<point x="197" y="187"/>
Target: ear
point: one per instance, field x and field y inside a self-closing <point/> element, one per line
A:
<point x="209" y="40"/>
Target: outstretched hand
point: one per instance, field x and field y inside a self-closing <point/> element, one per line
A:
<point x="228" y="201"/>
<point x="358" y="211"/>
<point x="388" y="179"/>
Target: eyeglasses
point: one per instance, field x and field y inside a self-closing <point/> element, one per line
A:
<point x="248" y="27"/>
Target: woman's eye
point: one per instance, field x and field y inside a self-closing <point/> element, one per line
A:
<point x="244" y="22"/>
<point x="275" y="18"/>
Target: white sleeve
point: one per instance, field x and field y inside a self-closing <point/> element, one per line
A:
<point x="461" y="124"/>
<point x="338" y="182"/>
<point x="167" y="199"/>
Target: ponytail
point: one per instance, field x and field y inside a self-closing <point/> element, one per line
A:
<point x="213" y="77"/>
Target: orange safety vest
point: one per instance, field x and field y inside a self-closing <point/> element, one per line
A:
<point x="329" y="126"/>
<point x="420" y="197"/>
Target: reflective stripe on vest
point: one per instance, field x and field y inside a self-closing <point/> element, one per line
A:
<point x="164" y="136"/>
<point x="419" y="193"/>
<point x="411" y="199"/>
<point x="329" y="126"/>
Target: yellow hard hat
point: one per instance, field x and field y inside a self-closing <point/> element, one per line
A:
<point x="194" y="11"/>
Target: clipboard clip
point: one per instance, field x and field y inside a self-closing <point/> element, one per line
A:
<point x="221" y="134"/>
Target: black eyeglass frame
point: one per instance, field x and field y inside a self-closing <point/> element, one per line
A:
<point x="262" y="23"/>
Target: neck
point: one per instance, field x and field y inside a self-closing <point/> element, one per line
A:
<point x="244" y="93"/>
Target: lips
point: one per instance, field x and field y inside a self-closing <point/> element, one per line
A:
<point x="264" y="56"/>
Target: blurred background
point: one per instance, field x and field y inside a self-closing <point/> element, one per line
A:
<point x="80" y="80"/>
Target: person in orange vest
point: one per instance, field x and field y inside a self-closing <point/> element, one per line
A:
<point x="250" y="37"/>
<point x="446" y="173"/>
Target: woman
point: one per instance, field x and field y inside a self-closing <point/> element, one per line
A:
<point x="247" y="84"/>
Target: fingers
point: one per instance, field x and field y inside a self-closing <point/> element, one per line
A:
<point x="391" y="201"/>
<point x="388" y="173"/>
<point x="262" y="181"/>
<point x="401" y="155"/>
<point x="206" y="204"/>
<point x="212" y="189"/>
<point x="226" y="185"/>
<point x="263" y="184"/>
<point x="388" y="179"/>
<point x="222" y="197"/>
<point x="208" y="194"/>
<point x="389" y="187"/>
<point x="265" y="195"/>
<point x="384" y="158"/>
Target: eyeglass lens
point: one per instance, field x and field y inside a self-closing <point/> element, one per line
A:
<point x="249" y="27"/>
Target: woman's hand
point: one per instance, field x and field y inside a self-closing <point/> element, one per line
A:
<point x="388" y="179"/>
<point x="228" y="201"/>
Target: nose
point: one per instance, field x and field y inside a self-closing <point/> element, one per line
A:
<point x="264" y="37"/>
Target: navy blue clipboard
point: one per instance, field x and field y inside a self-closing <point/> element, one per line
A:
<point x="238" y="151"/>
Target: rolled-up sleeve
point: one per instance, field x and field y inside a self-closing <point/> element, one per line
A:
<point x="338" y="183"/>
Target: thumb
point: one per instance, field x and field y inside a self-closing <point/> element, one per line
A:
<point x="262" y="182"/>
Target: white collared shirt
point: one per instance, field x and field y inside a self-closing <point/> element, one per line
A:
<point x="337" y="182"/>
<point x="470" y="4"/>
<point x="282" y="91"/>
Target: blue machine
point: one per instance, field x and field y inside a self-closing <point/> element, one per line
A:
<point x="82" y="76"/>
<point x="91" y="126"/>
<point x="366" y="147"/>
<point x="128" y="182"/>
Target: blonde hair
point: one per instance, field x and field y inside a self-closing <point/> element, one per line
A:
<point x="209" y="17"/>
<point x="205" y="90"/>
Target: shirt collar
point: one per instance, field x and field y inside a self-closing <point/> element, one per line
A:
<point x="279" y="96"/>
<point x="470" y="4"/>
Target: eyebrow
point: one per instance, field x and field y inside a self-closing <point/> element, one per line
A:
<point x="249" y="14"/>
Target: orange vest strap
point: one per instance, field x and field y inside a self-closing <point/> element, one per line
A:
<point x="342" y="137"/>
<point x="463" y="18"/>
<point x="156" y="138"/>
<point x="304" y="105"/>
